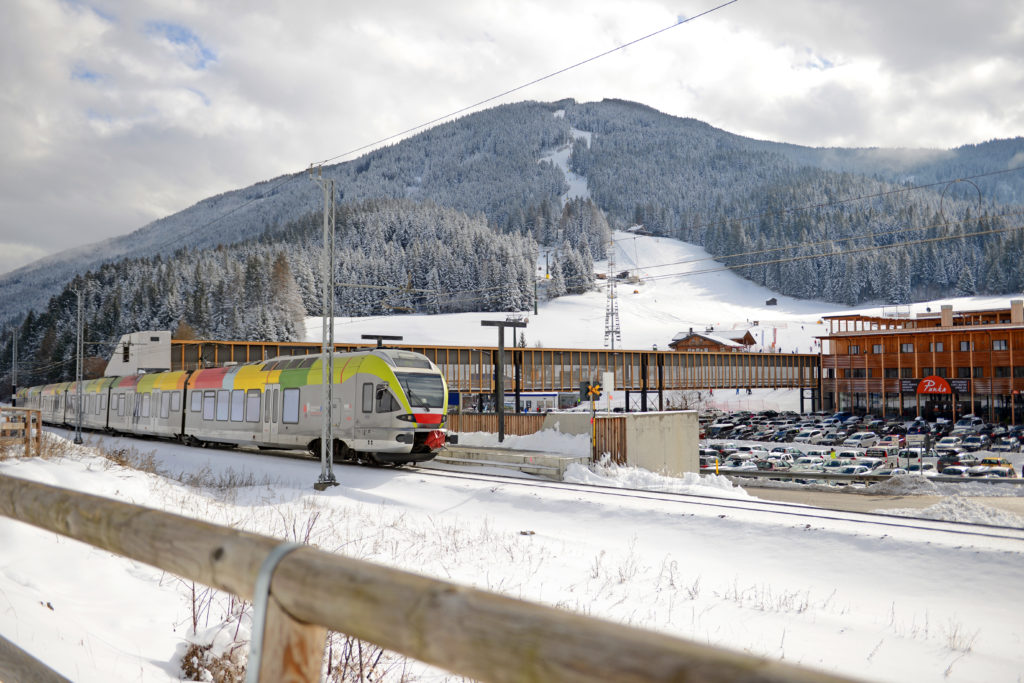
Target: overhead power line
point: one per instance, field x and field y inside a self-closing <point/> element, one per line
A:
<point x="289" y="177"/>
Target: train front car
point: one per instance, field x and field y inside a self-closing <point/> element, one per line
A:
<point x="401" y="407"/>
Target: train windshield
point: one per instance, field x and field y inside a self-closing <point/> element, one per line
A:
<point x="423" y="390"/>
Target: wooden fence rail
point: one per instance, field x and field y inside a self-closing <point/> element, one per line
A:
<point x="470" y="632"/>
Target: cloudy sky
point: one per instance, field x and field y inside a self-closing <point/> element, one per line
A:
<point x="115" y="113"/>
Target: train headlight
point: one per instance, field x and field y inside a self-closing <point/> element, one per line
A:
<point x="407" y="417"/>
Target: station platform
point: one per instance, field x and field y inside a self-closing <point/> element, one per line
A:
<point x="550" y="465"/>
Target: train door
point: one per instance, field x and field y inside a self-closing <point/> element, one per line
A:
<point x="271" y="413"/>
<point x="364" y="417"/>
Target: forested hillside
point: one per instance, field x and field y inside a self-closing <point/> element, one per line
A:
<point x="452" y="219"/>
<point x="741" y="199"/>
<point x="392" y="257"/>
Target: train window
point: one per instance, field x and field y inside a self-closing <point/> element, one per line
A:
<point x="197" y="401"/>
<point x="103" y="402"/>
<point x="273" y="411"/>
<point x="223" y="398"/>
<point x="175" y="401"/>
<point x="209" y="405"/>
<point x="307" y="363"/>
<point x="367" y="398"/>
<point x="120" y="405"/>
<point x="422" y="389"/>
<point x="147" y="399"/>
<point x="165" y="405"/>
<point x="252" y="405"/>
<point x="237" y="405"/>
<point x="290" y="407"/>
<point x="266" y="408"/>
<point x="386" y="402"/>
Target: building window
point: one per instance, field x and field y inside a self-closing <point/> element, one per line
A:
<point x="998" y="344"/>
<point x="906" y="348"/>
<point x="857" y="373"/>
<point x="935" y="346"/>
<point x="891" y="373"/>
<point x="907" y="372"/>
<point x="942" y="372"/>
<point x="1001" y="371"/>
<point x="878" y="348"/>
<point x="963" y="373"/>
<point x="979" y="372"/>
<point x="1018" y="371"/>
<point x="966" y="346"/>
<point x="854" y="349"/>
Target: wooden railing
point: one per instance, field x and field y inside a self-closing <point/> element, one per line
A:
<point x="21" y="425"/>
<point x="518" y="424"/>
<point x="470" y="632"/>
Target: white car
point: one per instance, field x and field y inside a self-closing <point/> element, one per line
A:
<point x="861" y="440"/>
<point x="812" y="436"/>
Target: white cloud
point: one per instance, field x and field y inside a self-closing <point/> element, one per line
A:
<point x="115" y="113"/>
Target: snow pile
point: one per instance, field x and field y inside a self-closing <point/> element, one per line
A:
<point x="549" y="441"/>
<point x="958" y="509"/>
<point x="905" y="485"/>
<point x="637" y="478"/>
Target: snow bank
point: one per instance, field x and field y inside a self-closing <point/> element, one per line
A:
<point x="644" y="480"/>
<point x="905" y="485"/>
<point x="958" y="509"/>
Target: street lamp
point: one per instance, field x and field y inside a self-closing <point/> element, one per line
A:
<point x="499" y="382"/>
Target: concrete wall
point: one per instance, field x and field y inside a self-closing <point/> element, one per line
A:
<point x="665" y="442"/>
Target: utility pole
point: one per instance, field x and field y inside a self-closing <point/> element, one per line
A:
<point x="14" y="367"/>
<point x="611" y="314"/>
<point x="499" y="380"/>
<point x="327" y="339"/>
<point x="78" y="372"/>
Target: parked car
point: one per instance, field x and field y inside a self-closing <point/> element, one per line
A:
<point x="928" y="469"/>
<point x="1006" y="445"/>
<point x="861" y="440"/>
<point x="948" y="444"/>
<point x="708" y="463"/>
<point x="893" y="441"/>
<point x="812" y="436"/>
<point x="890" y="472"/>
<point x="954" y="471"/>
<point x="977" y="442"/>
<point x="986" y="464"/>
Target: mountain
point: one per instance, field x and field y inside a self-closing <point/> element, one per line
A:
<point x="451" y="220"/>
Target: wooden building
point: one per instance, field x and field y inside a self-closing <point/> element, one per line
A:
<point x="973" y="361"/>
<point x="712" y="340"/>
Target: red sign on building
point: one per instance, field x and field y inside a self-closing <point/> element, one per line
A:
<point x="934" y="384"/>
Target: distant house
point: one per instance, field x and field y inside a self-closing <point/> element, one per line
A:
<point x="712" y="340"/>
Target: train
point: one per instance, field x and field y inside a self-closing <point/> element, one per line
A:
<point x="389" y="407"/>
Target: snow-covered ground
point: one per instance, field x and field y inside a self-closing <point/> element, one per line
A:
<point x="875" y="603"/>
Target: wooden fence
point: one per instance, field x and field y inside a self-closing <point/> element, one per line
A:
<point x="470" y="632"/>
<point x="21" y="425"/>
<point x="609" y="432"/>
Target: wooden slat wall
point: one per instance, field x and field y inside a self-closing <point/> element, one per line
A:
<point x="519" y="425"/>
<point x="610" y="438"/>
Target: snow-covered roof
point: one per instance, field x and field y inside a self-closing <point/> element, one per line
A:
<point x="721" y="341"/>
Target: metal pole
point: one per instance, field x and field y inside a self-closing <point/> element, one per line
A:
<point x="499" y="380"/>
<point x="78" y="372"/>
<point x="327" y="342"/>
<point x="14" y="369"/>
